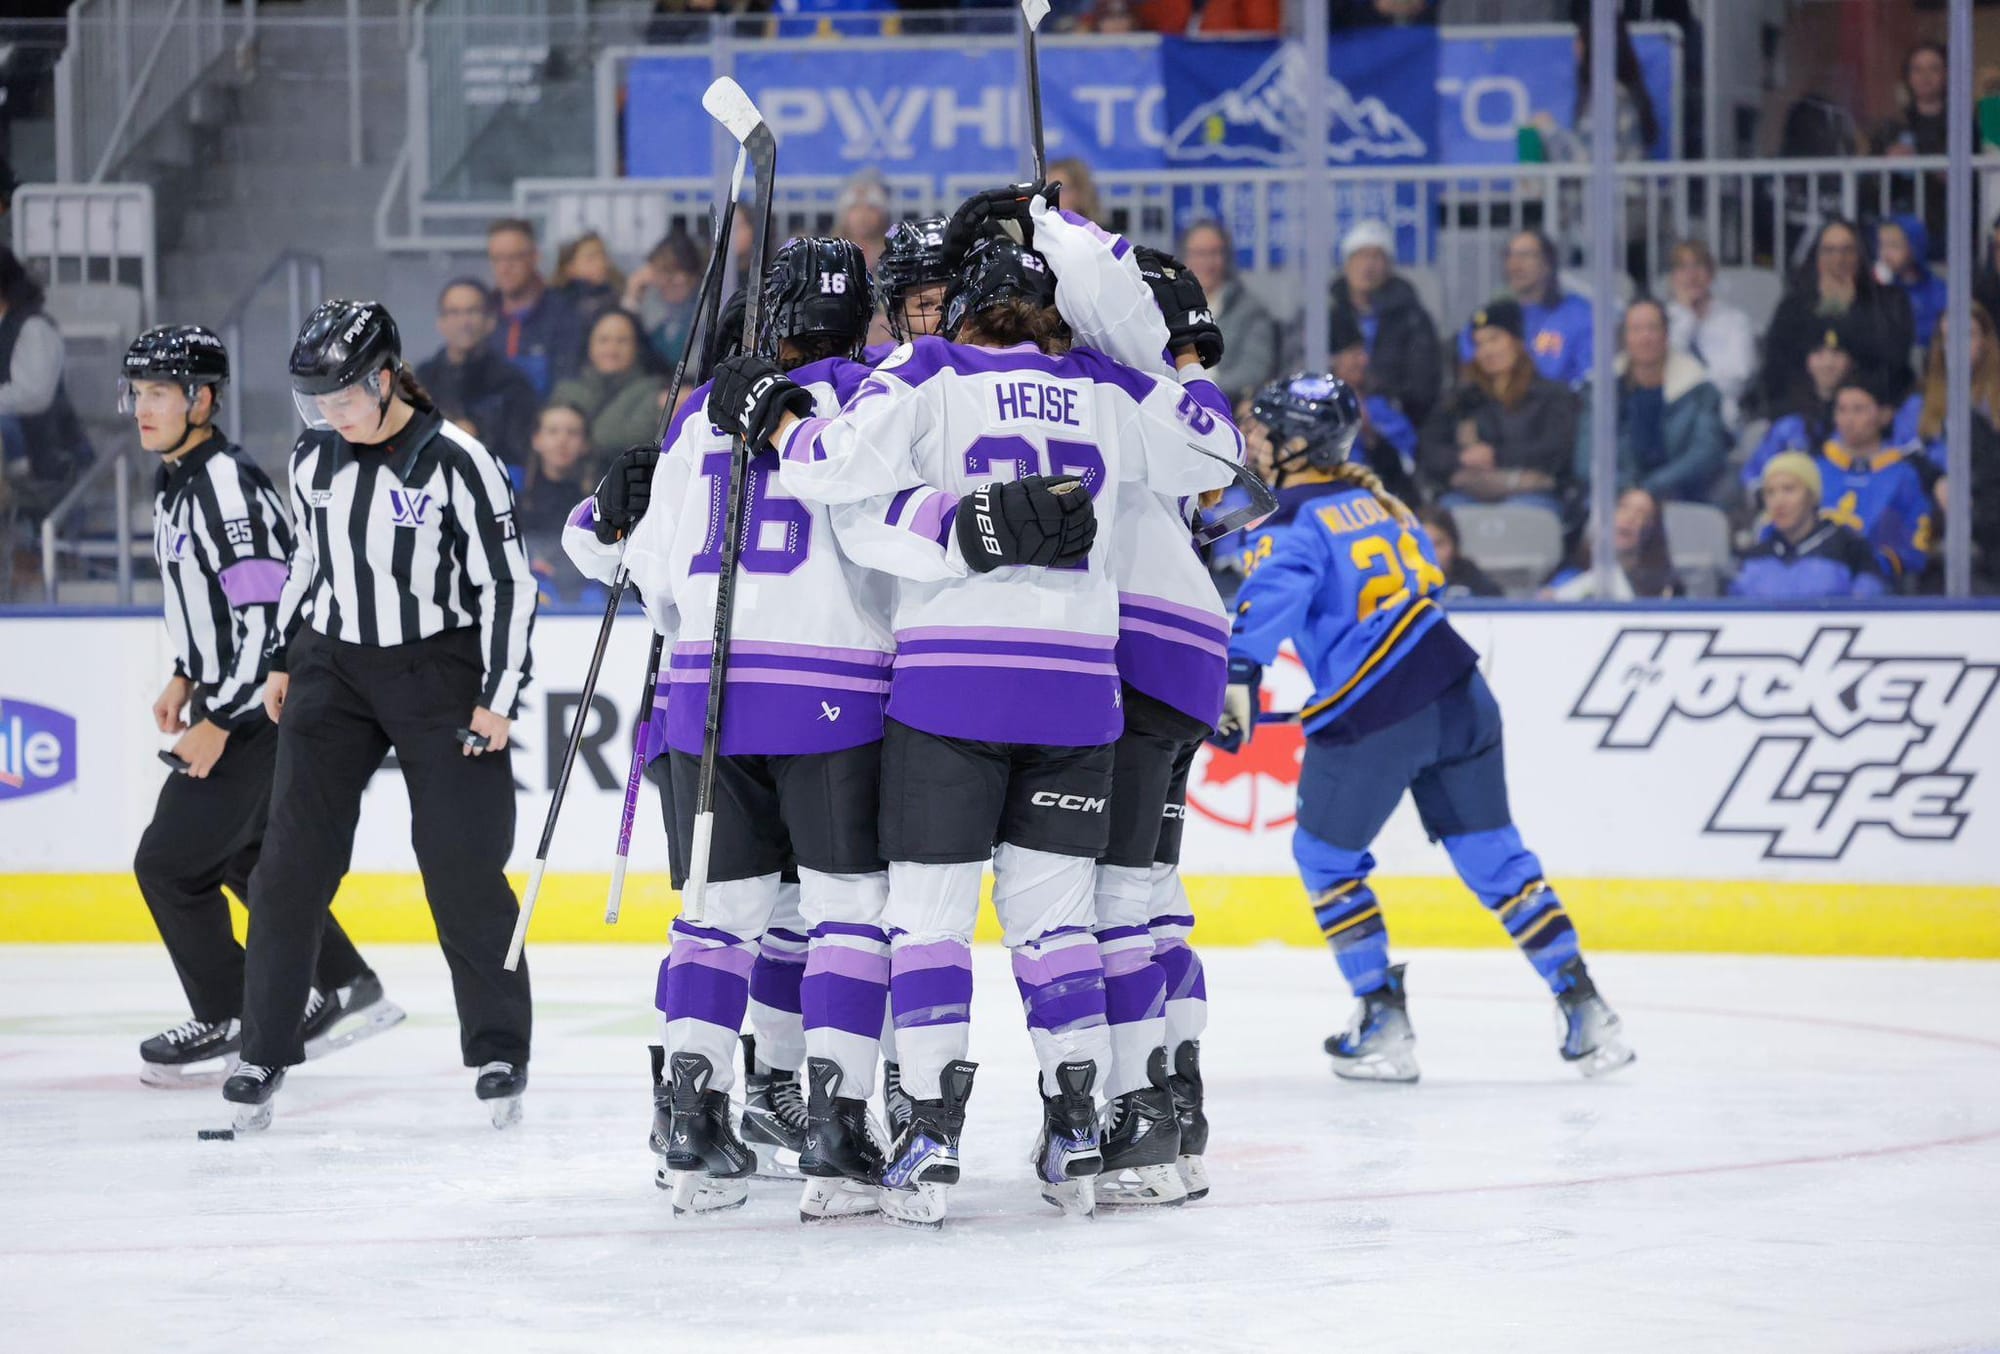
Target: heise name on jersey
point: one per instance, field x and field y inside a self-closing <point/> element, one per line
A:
<point x="37" y="749"/>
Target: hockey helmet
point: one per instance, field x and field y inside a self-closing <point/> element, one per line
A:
<point x="996" y="269"/>
<point x="1321" y="410"/>
<point x="342" y="344"/>
<point x="186" y="355"/>
<point x="816" y="287"/>
<point x="912" y="257"/>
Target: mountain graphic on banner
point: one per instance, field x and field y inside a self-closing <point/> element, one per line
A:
<point x="1252" y="121"/>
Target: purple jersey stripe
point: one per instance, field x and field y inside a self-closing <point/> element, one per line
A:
<point x="1009" y="705"/>
<point x="805" y="445"/>
<point x="738" y="647"/>
<point x="894" y="515"/>
<point x="934" y="516"/>
<point x="1205" y="619"/>
<point x="1168" y="633"/>
<point x="1000" y="649"/>
<point x="685" y="665"/>
<point x="1068" y="638"/>
<point x="763" y="677"/>
<point x="1004" y="662"/>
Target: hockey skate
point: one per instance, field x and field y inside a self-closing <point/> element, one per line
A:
<point x="1185" y="1084"/>
<point x="774" y="1116"/>
<point x="708" y="1165"/>
<point x="1593" y="1038"/>
<point x="250" y="1088"/>
<point x="663" y="1115"/>
<point x="896" y="1102"/>
<point x="347" y="1015"/>
<point x="1141" y="1142"/>
<point x="192" y="1053"/>
<point x="500" y="1085"/>
<point x="1068" y="1155"/>
<point x="924" y="1163"/>
<point x="841" y="1162"/>
<point x="1379" y="1044"/>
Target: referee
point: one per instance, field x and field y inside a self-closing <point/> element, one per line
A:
<point x="221" y="540"/>
<point x="404" y="624"/>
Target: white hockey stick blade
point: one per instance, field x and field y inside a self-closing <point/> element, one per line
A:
<point x="697" y="881"/>
<point x="726" y="102"/>
<point x="527" y="911"/>
<point x="736" y="178"/>
<point x="618" y="865"/>
<point x="1034" y="11"/>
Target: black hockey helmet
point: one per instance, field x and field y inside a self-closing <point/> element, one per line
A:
<point x="912" y="256"/>
<point x="1320" y="409"/>
<point x="816" y="287"/>
<point x="341" y="344"/>
<point x="996" y="269"/>
<point x="185" y="354"/>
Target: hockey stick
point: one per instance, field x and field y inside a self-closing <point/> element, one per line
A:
<point x="707" y="301"/>
<point x="1032" y="14"/>
<point x="1263" y="502"/>
<point x="728" y="104"/>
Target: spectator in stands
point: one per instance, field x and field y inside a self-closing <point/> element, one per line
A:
<point x="1638" y="122"/>
<point x="1839" y="286"/>
<point x="1645" y="566"/>
<point x="1508" y="433"/>
<point x="1920" y="129"/>
<point x="1711" y="331"/>
<point x="472" y="385"/>
<point x="1405" y="357"/>
<point x="1870" y="485"/>
<point x="1249" y="334"/>
<point x="557" y="480"/>
<point x="539" y="331"/>
<point x="1462" y="578"/>
<point x="1922" y="420"/>
<point x="1902" y="260"/>
<point x="677" y="21"/>
<point x="862" y="214"/>
<point x="619" y="388"/>
<point x="1216" y="16"/>
<point x="1387" y="443"/>
<point x="1382" y="13"/>
<point x="587" y="278"/>
<point x="42" y="445"/>
<point x="1807" y="420"/>
<point x="662" y="292"/>
<point x="1671" y="441"/>
<point x="1798" y="554"/>
<point x="1986" y="287"/>
<point x="1559" y="327"/>
<point x="1079" y="188"/>
<point x="1110" y="17"/>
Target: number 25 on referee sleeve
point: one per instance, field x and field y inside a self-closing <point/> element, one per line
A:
<point x="1387" y="583"/>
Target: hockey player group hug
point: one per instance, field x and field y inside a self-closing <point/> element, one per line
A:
<point x="971" y="628"/>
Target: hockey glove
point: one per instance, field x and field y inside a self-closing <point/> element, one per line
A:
<point x="1240" y="700"/>
<point x="1190" y="323"/>
<point x="750" y="395"/>
<point x="982" y="214"/>
<point x="625" y="491"/>
<point x="1043" y="521"/>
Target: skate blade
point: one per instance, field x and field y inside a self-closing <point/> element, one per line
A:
<point x="253" y="1118"/>
<point x="186" y="1076"/>
<point x="1194" y="1174"/>
<point x="694" y="1193"/>
<point x="833" y="1198"/>
<point x="774" y="1162"/>
<point x="1605" y="1059"/>
<point x="922" y="1207"/>
<point x="1158" y="1186"/>
<point x="1076" y="1198"/>
<point x="506" y="1111"/>
<point x="1395" y="1067"/>
<point x="352" y="1029"/>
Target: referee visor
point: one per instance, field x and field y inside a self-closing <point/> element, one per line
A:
<point x="346" y="406"/>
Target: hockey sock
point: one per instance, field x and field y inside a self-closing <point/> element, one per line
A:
<point x="776" y="1017"/>
<point x="1336" y="879"/>
<point x="930" y="990"/>
<point x="1171" y="924"/>
<point x="1061" y="979"/>
<point x="1135" y="987"/>
<point x="846" y="994"/>
<point x="1508" y="879"/>
<point x="704" y="990"/>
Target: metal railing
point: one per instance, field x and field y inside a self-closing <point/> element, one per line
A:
<point x="304" y="284"/>
<point x="127" y="63"/>
<point x="54" y="546"/>
<point x="89" y="234"/>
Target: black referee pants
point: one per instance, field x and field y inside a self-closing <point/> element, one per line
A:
<point x="205" y="834"/>
<point x="347" y="706"/>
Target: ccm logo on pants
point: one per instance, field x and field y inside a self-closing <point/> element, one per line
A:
<point x="1049" y="799"/>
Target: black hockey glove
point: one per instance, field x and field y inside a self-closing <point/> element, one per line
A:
<point x="625" y="491"/>
<point x="1041" y="520"/>
<point x="1182" y="302"/>
<point x="981" y="215"/>
<point x="750" y="395"/>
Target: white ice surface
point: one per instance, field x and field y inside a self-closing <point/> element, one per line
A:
<point x="1806" y="1157"/>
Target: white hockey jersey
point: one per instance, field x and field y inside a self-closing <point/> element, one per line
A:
<point x="809" y="646"/>
<point x="1173" y="630"/>
<point x="1018" y="655"/>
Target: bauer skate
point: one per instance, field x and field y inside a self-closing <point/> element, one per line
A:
<point x="774" y="1116"/>
<point x="347" y="1015"/>
<point x="250" y="1088"/>
<point x="500" y="1086"/>
<point x="1379" y="1044"/>
<point x="1142" y="1144"/>
<point x="192" y="1053"/>
<point x="1593" y="1038"/>
<point x="924" y="1163"/>
<point x="895" y="1100"/>
<point x="708" y="1165"/>
<point x="1185" y="1084"/>
<point x="1068" y="1155"/>
<point x="841" y="1162"/>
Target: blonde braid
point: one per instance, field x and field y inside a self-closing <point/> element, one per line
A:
<point x="1361" y="477"/>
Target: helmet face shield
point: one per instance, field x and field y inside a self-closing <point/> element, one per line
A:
<point x="359" y="404"/>
<point x="162" y="397"/>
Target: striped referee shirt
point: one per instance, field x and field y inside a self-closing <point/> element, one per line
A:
<point x="221" y="540"/>
<point x="407" y="539"/>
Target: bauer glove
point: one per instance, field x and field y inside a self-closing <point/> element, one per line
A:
<point x="624" y="493"/>
<point x="1042" y="521"/>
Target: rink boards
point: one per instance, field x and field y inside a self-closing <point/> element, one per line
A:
<point x="1812" y="781"/>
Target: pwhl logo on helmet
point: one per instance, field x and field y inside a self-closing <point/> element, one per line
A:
<point x="37" y="749"/>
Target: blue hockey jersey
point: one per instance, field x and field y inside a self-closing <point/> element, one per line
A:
<point x="1352" y="587"/>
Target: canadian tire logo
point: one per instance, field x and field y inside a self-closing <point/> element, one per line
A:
<point x="37" y="749"/>
<point x="1842" y="742"/>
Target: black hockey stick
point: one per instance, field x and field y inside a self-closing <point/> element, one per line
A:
<point x="1263" y="502"/>
<point x="1032" y="14"/>
<point x="728" y="104"/>
<point x="707" y="301"/>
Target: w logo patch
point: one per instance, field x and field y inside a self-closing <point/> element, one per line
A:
<point x="410" y="509"/>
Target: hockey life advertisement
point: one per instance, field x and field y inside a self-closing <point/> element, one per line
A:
<point x="1809" y="746"/>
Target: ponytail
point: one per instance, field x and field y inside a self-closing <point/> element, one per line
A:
<point x="1357" y="476"/>
<point x="411" y="389"/>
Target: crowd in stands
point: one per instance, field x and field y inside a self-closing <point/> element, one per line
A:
<point x="678" y="21"/>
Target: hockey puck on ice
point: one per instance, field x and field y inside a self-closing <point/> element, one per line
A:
<point x="216" y="1134"/>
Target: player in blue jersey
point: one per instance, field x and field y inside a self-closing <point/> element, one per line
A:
<point x="1345" y="572"/>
